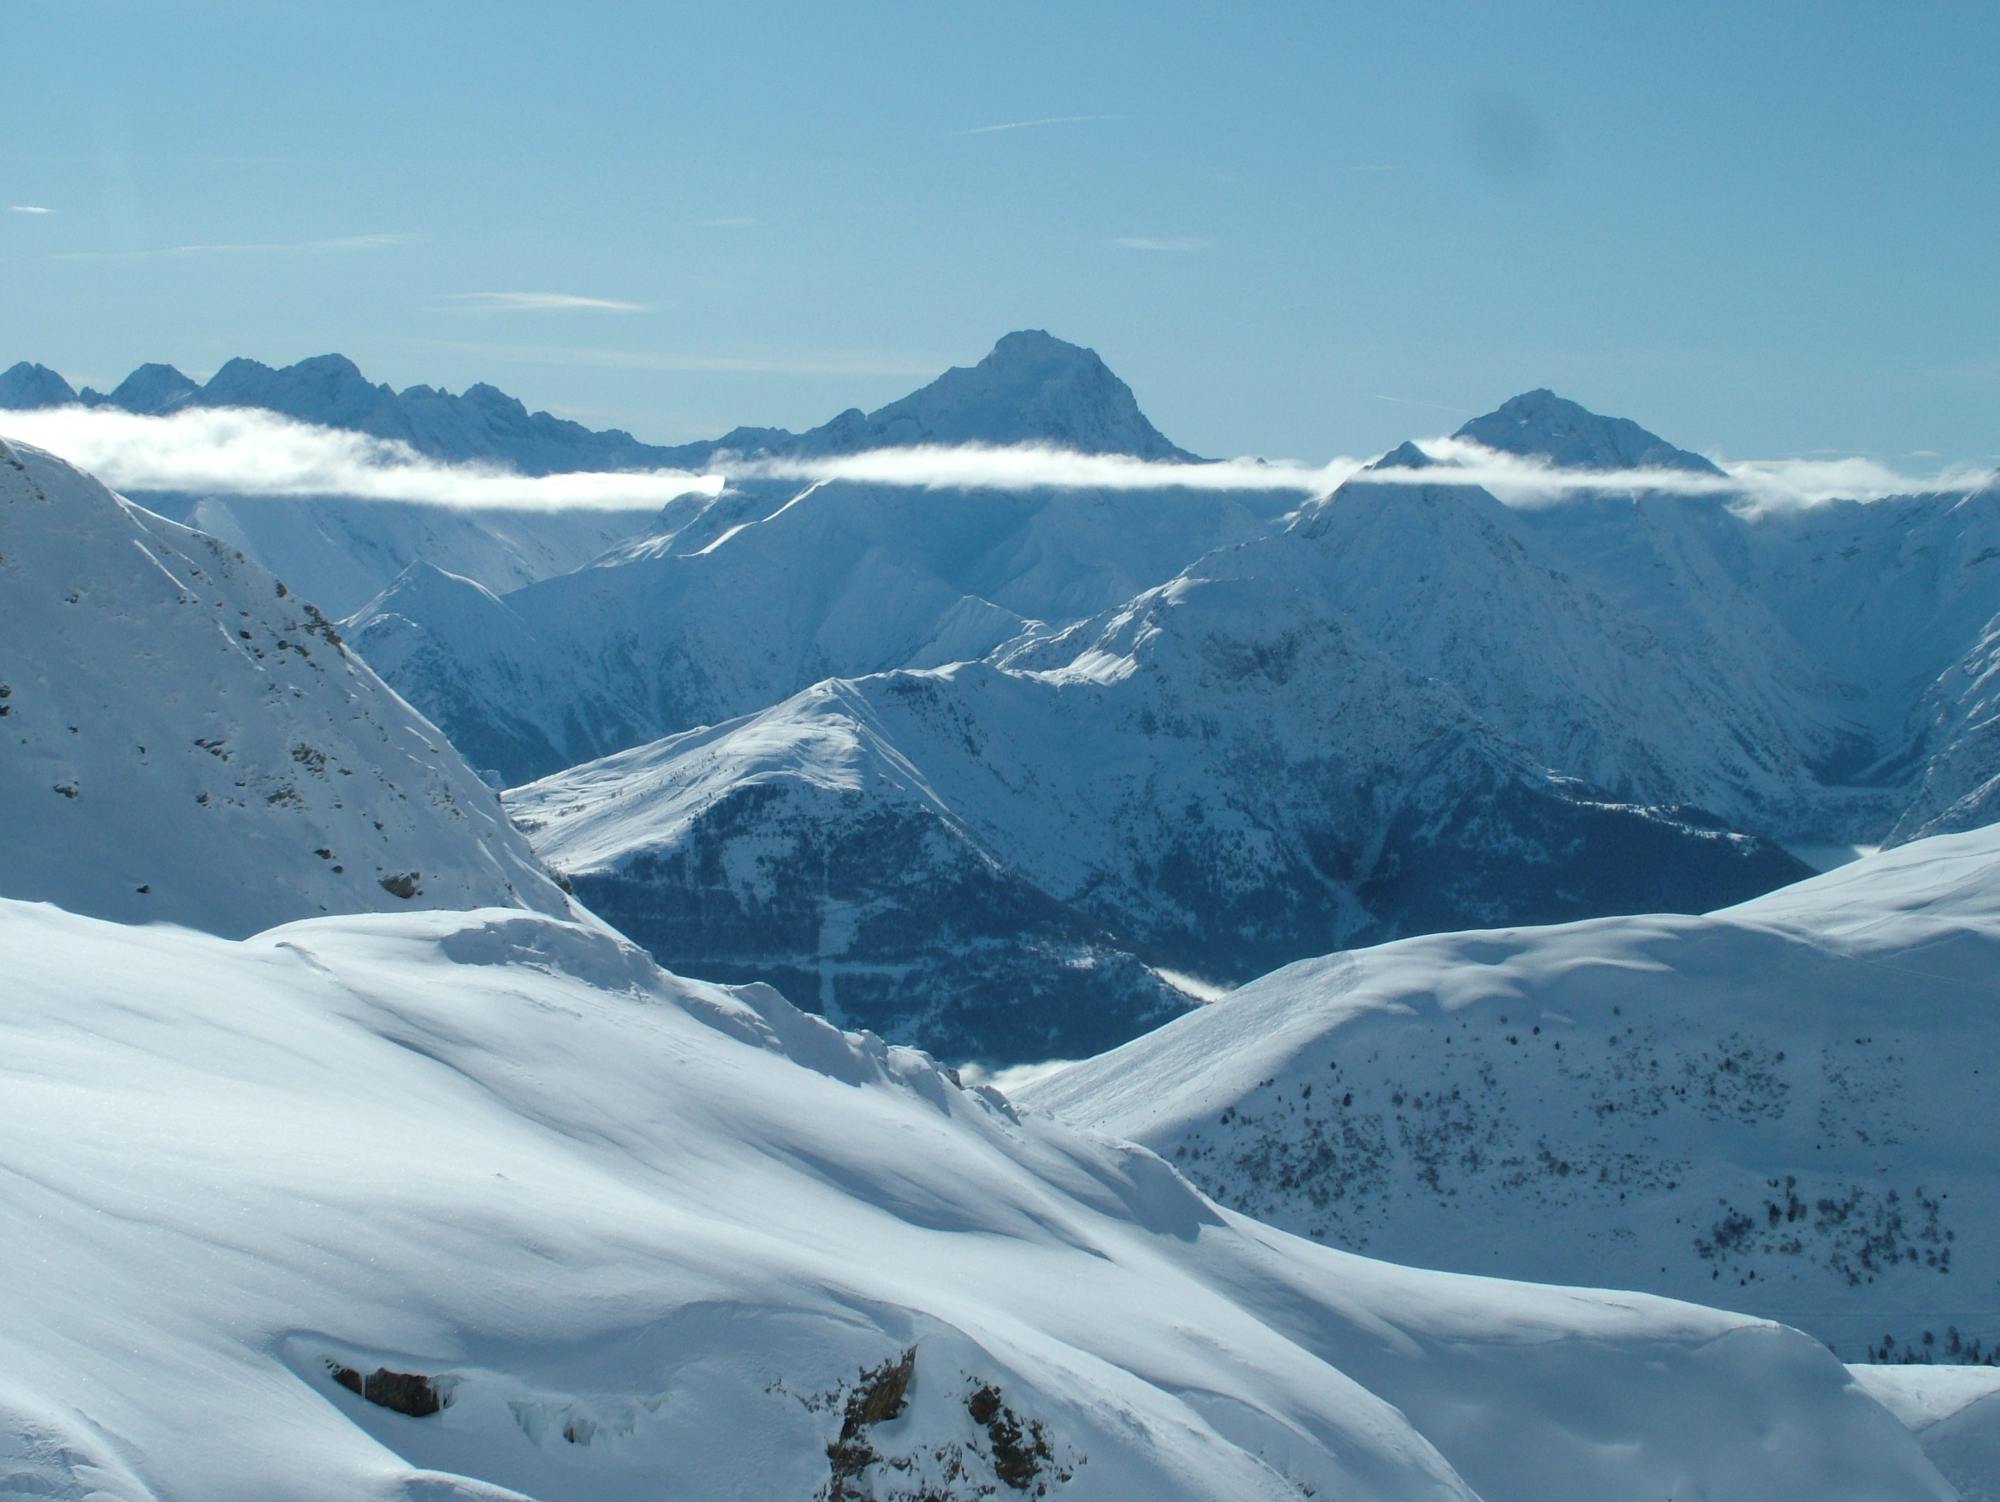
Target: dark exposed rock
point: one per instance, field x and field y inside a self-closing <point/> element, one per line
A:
<point x="1020" y="1452"/>
<point x="410" y="1393"/>
<point x="878" y="1396"/>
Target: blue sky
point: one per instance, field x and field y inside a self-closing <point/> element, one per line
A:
<point x="1296" y="230"/>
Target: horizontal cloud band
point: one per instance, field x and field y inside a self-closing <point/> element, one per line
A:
<point x="1510" y="477"/>
<point x="237" y="451"/>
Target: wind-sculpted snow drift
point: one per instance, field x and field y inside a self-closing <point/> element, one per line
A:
<point x="484" y="1206"/>
<point x="185" y="740"/>
<point x="1782" y="1106"/>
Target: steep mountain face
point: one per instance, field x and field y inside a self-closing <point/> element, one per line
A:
<point x="25" y="387"/>
<point x="507" y="698"/>
<point x="1218" y="775"/>
<point x="1457" y="587"/>
<point x="344" y="552"/>
<point x="1032" y="388"/>
<point x="770" y="590"/>
<point x="150" y="391"/>
<point x="483" y="1207"/>
<point x="188" y="741"/>
<point x="1781" y="1106"/>
<point x="1542" y="425"/>
<point x="1831" y="630"/>
<point x="1961" y="785"/>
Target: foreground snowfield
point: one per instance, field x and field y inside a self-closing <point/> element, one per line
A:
<point x="1784" y="1106"/>
<point x="645" y="1233"/>
<point x="1955" y="1413"/>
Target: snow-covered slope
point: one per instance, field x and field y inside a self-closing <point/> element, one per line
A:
<point x="1542" y="425"/>
<point x="1843" y="624"/>
<point x="509" y="698"/>
<point x="1954" y="1411"/>
<point x="1459" y="588"/>
<point x="579" y="1230"/>
<point x="1220" y="775"/>
<point x="773" y="589"/>
<point x="1961" y="783"/>
<point x="344" y="552"/>
<point x="183" y="739"/>
<point x="1784" y="1106"/>
<point x="1031" y="388"/>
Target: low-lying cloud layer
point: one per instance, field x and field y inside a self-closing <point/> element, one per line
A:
<point x="1511" y="477"/>
<point x="232" y="451"/>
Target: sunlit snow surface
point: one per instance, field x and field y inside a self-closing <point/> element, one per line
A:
<point x="184" y="739"/>
<point x="1784" y="1106"/>
<point x="640" y="1229"/>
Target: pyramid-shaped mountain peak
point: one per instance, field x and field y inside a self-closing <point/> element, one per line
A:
<point x="1031" y="388"/>
<point x="1540" y="424"/>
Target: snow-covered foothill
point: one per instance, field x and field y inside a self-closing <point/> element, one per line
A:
<point x="1954" y="1411"/>
<point x="1784" y="1106"/>
<point x="483" y="1206"/>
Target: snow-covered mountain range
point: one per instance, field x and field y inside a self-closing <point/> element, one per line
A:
<point x="477" y="1204"/>
<point x="1031" y="388"/>
<point x="1405" y="707"/>
<point x="1783" y="1106"/>
<point x="481" y="424"/>
<point x="185" y="740"/>
<point x="1416" y="665"/>
<point x="483" y="1207"/>
<point x="339" y="552"/>
<point x="997" y="859"/>
<point x="766" y="591"/>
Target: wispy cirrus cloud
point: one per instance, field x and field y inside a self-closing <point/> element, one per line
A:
<point x="536" y="302"/>
<point x="1169" y="244"/>
<point x="29" y="208"/>
<point x="331" y="245"/>
<point x="236" y="451"/>
<point x="1035" y="124"/>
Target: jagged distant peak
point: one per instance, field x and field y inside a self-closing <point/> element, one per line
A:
<point x="1406" y="455"/>
<point x="152" y="388"/>
<point x="1545" y="425"/>
<point x="328" y="371"/>
<point x="25" y="385"/>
